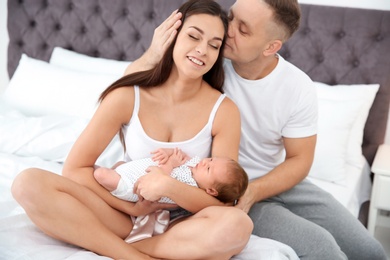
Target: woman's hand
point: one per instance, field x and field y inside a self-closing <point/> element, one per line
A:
<point x="144" y="207"/>
<point x="153" y="186"/>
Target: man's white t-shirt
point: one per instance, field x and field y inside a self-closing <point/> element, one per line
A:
<point x="283" y="104"/>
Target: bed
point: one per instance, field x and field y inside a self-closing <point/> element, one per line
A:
<point x="63" y="53"/>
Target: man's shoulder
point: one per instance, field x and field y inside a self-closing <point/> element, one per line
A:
<point x="295" y="73"/>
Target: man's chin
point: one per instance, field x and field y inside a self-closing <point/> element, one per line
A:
<point x="227" y="52"/>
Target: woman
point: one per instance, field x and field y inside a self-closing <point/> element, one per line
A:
<point x="178" y="104"/>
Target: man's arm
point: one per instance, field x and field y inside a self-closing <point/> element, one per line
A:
<point x="299" y="158"/>
<point x="163" y="36"/>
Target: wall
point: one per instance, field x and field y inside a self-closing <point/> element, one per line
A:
<point x="371" y="4"/>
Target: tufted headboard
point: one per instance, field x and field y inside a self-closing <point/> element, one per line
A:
<point x="333" y="45"/>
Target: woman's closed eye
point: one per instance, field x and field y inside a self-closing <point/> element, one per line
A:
<point x="212" y="45"/>
<point x="193" y="37"/>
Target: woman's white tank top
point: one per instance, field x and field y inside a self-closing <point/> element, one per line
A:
<point x="139" y="144"/>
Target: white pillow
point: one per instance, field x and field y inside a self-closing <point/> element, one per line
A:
<point x="365" y="97"/>
<point x="38" y="88"/>
<point x="343" y="111"/>
<point x="73" y="60"/>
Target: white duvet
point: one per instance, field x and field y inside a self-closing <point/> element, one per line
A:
<point x="44" y="142"/>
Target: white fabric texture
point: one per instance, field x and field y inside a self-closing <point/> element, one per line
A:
<point x="270" y="249"/>
<point x="343" y="112"/>
<point x="48" y="137"/>
<point x="259" y="103"/>
<point x="38" y="88"/>
<point x="81" y="62"/>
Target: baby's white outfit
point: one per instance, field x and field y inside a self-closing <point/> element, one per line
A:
<point x="131" y="171"/>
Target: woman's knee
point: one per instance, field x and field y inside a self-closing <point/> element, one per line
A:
<point x="28" y="186"/>
<point x="233" y="228"/>
<point x="22" y="183"/>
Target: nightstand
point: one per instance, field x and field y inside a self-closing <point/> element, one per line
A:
<point x="380" y="196"/>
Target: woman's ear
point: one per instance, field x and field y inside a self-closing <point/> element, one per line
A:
<point x="212" y="192"/>
<point x="273" y="48"/>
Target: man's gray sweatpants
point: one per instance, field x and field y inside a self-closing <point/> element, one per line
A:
<point x="315" y="225"/>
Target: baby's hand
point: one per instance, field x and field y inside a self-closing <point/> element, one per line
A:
<point x="178" y="157"/>
<point x="161" y="155"/>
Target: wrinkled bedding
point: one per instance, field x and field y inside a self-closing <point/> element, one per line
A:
<point x="44" y="142"/>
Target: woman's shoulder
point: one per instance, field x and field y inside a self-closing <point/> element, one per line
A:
<point x="226" y="104"/>
<point x="120" y="100"/>
<point x="125" y="94"/>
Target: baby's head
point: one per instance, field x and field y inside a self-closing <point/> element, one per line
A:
<point x="222" y="178"/>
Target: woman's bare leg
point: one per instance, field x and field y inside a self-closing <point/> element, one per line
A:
<point x="72" y="213"/>
<point x="213" y="233"/>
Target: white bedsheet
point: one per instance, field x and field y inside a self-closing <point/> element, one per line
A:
<point x="44" y="142"/>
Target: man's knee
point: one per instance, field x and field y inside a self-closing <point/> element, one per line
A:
<point x="368" y="248"/>
<point x="307" y="239"/>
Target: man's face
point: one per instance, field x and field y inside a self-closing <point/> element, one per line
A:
<point x="249" y="32"/>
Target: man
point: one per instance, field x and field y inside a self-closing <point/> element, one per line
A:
<point x="278" y="108"/>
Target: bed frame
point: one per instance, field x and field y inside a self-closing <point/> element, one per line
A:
<point x="334" y="45"/>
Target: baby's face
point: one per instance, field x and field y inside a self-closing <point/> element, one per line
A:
<point x="209" y="171"/>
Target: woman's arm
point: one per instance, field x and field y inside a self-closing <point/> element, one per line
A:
<point x="156" y="184"/>
<point x="114" y="110"/>
<point x="226" y="130"/>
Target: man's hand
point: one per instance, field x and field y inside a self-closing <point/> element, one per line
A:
<point x="164" y="35"/>
<point x="246" y="201"/>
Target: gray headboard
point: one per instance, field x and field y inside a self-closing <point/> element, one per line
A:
<point x="333" y="45"/>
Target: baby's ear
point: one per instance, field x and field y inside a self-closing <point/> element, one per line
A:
<point x="212" y="192"/>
